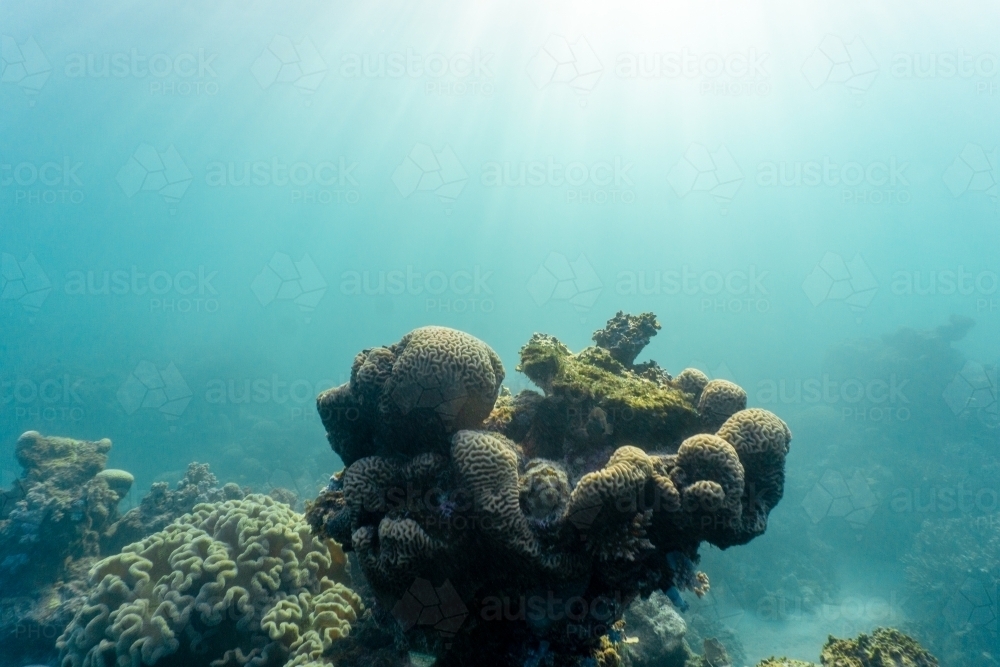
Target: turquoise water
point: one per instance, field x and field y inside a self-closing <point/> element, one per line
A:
<point x="207" y="211"/>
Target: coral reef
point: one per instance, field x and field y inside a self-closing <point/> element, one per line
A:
<point x="953" y="581"/>
<point x="58" y="519"/>
<point x="917" y="369"/>
<point x="583" y="508"/>
<point x="241" y="582"/>
<point x="162" y="505"/>
<point x="885" y="647"/>
<point x="52" y="524"/>
<point x="57" y="511"/>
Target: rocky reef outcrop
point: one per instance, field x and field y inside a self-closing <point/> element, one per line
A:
<point x="659" y="633"/>
<point x="53" y="522"/>
<point x="502" y="529"/>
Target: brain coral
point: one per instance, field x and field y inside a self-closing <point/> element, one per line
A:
<point x="761" y="441"/>
<point x="240" y="582"/>
<point x="412" y="395"/>
<point x="719" y="400"/>
<point x="692" y="381"/>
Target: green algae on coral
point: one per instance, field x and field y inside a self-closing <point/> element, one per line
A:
<point x="633" y="409"/>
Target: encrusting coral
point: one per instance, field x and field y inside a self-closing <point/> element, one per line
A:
<point x="586" y="496"/>
<point x="240" y="582"/>
<point x="885" y="647"/>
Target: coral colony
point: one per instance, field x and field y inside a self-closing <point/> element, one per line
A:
<point x="470" y="526"/>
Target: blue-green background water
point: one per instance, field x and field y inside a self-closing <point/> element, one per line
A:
<point x="771" y="179"/>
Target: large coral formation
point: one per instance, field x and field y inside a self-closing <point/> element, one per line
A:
<point x="410" y="395"/>
<point x="240" y="582"/>
<point x="590" y="495"/>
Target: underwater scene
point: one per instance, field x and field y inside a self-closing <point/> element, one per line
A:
<point x="529" y="334"/>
